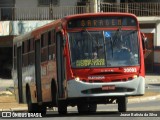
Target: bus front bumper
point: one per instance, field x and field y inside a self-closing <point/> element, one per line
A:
<point x="133" y="87"/>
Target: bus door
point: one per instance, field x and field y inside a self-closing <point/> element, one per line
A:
<point x="38" y="70"/>
<point x="19" y="73"/>
<point x="61" y="69"/>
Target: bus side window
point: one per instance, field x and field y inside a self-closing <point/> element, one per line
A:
<point x="49" y="38"/>
<point x="51" y="42"/>
<point x="25" y="53"/>
<point x="44" y="47"/>
<point x="31" y="52"/>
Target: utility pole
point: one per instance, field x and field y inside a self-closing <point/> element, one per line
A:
<point x="98" y="5"/>
<point x="95" y="6"/>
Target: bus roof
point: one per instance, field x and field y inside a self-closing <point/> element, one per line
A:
<point x="38" y="30"/>
<point x="98" y="14"/>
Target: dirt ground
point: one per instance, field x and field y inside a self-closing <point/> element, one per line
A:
<point x="8" y="101"/>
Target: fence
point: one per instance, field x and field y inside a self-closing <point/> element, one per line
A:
<point x="40" y="13"/>
<point x="51" y="12"/>
<point x="139" y="9"/>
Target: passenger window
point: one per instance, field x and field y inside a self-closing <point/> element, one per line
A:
<point x="44" y="47"/>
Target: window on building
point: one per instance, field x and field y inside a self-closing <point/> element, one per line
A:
<point x="48" y="2"/>
<point x="6" y="11"/>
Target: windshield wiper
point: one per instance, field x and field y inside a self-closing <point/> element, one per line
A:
<point x="97" y="43"/>
<point x="92" y="38"/>
<point x="116" y="35"/>
<point x="115" y="39"/>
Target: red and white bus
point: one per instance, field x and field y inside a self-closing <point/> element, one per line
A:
<point x="80" y="60"/>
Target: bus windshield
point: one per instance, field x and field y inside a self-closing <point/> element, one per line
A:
<point x="112" y="48"/>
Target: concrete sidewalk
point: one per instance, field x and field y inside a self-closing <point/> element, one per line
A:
<point x="152" y="78"/>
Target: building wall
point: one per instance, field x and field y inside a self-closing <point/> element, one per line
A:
<point x="6" y="3"/>
<point x="68" y="2"/>
<point x="34" y="3"/>
<point x="42" y="12"/>
<point x="26" y="3"/>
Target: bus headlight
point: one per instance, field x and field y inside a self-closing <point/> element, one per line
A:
<point x="134" y="76"/>
<point x="77" y="79"/>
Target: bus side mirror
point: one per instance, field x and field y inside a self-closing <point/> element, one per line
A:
<point x="63" y="38"/>
<point x="144" y="43"/>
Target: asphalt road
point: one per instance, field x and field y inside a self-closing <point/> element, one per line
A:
<point x="110" y="111"/>
<point x="152" y="87"/>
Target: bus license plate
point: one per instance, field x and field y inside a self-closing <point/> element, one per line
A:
<point x="108" y="87"/>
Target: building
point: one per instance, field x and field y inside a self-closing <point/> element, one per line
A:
<point x="20" y="16"/>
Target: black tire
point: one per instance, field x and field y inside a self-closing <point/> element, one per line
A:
<point x="32" y="107"/>
<point x="92" y="108"/>
<point x="42" y="109"/>
<point x="82" y="108"/>
<point x="54" y="94"/>
<point x="122" y="104"/>
<point x="86" y="108"/>
<point x="62" y="107"/>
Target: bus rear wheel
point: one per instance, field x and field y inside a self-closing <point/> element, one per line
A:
<point x="122" y="104"/>
<point x="42" y="109"/>
<point x="34" y="107"/>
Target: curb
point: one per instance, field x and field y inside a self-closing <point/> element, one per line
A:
<point x="143" y="99"/>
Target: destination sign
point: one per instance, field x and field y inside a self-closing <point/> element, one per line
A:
<point x="90" y="62"/>
<point x="102" y="22"/>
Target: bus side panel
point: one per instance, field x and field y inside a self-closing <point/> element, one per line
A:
<point x="19" y="73"/>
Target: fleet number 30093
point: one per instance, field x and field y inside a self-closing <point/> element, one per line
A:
<point x="130" y="70"/>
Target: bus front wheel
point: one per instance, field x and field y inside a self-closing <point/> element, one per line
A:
<point x="122" y="104"/>
<point x="82" y="108"/>
<point x="92" y="108"/>
<point x="62" y="107"/>
<point x="86" y="108"/>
